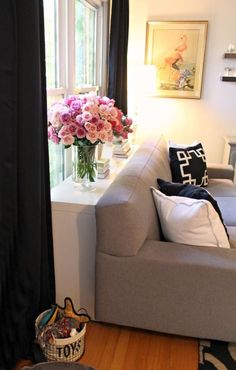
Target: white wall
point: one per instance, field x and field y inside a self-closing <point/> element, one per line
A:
<point x="213" y="116"/>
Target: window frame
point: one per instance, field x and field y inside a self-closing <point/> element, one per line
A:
<point x="66" y="56"/>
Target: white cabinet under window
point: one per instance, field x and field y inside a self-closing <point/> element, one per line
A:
<point x="74" y="235"/>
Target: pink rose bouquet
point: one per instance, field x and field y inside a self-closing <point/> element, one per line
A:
<point x="86" y="120"/>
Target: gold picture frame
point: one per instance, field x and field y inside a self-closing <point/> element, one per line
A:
<point x="177" y="50"/>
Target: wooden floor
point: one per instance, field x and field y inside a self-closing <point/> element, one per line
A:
<point x="110" y="347"/>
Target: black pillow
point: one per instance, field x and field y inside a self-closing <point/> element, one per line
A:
<point x="188" y="165"/>
<point x="189" y="191"/>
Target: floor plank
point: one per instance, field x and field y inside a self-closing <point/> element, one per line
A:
<point x="110" y="347"/>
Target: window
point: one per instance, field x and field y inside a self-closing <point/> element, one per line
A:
<point x="85" y="52"/>
<point x="75" y="38"/>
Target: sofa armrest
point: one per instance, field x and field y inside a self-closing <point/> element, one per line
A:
<point x="220" y="171"/>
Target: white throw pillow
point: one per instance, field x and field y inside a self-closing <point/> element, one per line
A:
<point x="172" y="144"/>
<point x="189" y="221"/>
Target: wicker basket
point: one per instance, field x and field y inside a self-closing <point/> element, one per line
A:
<point x="63" y="349"/>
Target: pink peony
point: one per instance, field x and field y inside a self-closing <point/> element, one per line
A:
<point x="119" y="114"/>
<point x="95" y="118"/>
<point x="103" y="110"/>
<point x="114" y="123"/>
<point x="80" y="133"/>
<point x="102" y="135"/>
<point x="106" y="100"/>
<point x="55" y="139"/>
<point x="72" y="128"/>
<point x="55" y="107"/>
<point x="91" y="107"/>
<point x="107" y="126"/>
<point x="70" y="99"/>
<point x="91" y="127"/>
<point x="87" y="116"/>
<point x="52" y="135"/>
<point x="75" y="105"/>
<point x="55" y="119"/>
<point x="51" y="131"/>
<point x="87" y="125"/>
<point x="118" y="127"/>
<point x="128" y="121"/>
<point x="65" y="116"/>
<point x="113" y="112"/>
<point x="64" y="131"/>
<point x="79" y="119"/>
<point x="92" y="136"/>
<point x="68" y="139"/>
<point x="100" y="125"/>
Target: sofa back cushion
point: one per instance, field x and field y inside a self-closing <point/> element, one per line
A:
<point x="126" y="215"/>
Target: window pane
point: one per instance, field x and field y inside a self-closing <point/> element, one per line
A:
<point x="85" y="43"/>
<point x="56" y="152"/>
<point x="56" y="159"/>
<point x="53" y="98"/>
<point x="51" y="41"/>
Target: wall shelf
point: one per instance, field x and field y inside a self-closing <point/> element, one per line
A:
<point x="230" y="55"/>
<point x="230" y="73"/>
<point x="228" y="78"/>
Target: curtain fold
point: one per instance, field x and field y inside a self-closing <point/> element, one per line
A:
<point x="117" y="75"/>
<point x="27" y="284"/>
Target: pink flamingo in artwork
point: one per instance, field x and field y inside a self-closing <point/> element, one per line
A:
<point x="183" y="44"/>
<point x="173" y="57"/>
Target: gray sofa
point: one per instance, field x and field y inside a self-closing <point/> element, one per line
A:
<point x="145" y="282"/>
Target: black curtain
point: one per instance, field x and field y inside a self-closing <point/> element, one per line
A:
<point x="117" y="76"/>
<point x="26" y="249"/>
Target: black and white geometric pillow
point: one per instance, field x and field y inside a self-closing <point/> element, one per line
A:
<point x="188" y="165"/>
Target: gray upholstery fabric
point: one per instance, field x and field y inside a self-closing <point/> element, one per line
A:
<point x="126" y="214"/>
<point x="220" y="171"/>
<point x="232" y="236"/>
<point x="144" y="282"/>
<point x="227" y="206"/>
<point x="122" y="224"/>
<point x="170" y="288"/>
<point x="221" y="188"/>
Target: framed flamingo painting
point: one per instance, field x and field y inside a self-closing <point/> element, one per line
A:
<point x="177" y="49"/>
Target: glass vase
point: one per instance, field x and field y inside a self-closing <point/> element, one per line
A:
<point x="84" y="170"/>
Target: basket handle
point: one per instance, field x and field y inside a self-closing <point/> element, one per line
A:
<point x="70" y="311"/>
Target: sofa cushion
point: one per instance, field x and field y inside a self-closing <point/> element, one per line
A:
<point x="221" y="188"/>
<point x="126" y="215"/>
<point x="227" y="206"/>
<point x="170" y="288"/>
<point x="220" y="171"/>
<point x="188" y="165"/>
<point x="232" y="236"/>
<point x="190" y="221"/>
<point x="189" y="191"/>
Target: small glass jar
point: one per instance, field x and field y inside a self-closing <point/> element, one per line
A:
<point x="229" y="71"/>
<point x="231" y="48"/>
